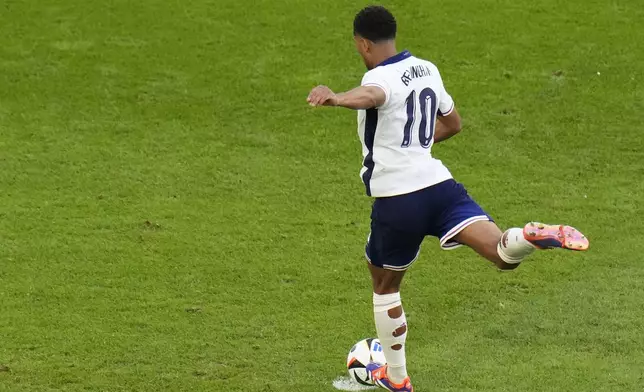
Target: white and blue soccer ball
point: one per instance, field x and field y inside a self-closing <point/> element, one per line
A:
<point x="363" y="352"/>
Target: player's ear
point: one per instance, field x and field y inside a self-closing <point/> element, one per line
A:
<point x="367" y="45"/>
<point x="370" y="45"/>
<point x="362" y="44"/>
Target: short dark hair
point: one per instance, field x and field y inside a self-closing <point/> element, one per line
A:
<point x="375" y="23"/>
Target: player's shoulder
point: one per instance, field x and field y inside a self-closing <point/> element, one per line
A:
<point x="374" y="73"/>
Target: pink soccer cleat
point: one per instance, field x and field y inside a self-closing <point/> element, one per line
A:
<point x="555" y="236"/>
<point x="379" y="376"/>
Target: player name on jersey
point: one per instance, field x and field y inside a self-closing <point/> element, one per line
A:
<point x="414" y="72"/>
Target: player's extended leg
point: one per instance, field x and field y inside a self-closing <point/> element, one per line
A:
<point x="508" y="249"/>
<point x="485" y="236"/>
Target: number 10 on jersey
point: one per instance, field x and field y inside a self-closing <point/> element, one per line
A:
<point x="427" y="102"/>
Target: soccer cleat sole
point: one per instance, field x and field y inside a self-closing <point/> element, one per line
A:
<point x="555" y="236"/>
<point x="389" y="388"/>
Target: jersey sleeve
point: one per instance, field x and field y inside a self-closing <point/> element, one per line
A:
<point x="373" y="78"/>
<point x="445" y="103"/>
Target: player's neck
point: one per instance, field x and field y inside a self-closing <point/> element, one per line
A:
<point x="385" y="52"/>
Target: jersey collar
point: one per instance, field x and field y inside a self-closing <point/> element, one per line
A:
<point x="394" y="59"/>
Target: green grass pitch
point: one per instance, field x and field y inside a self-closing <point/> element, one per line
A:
<point x="174" y="217"/>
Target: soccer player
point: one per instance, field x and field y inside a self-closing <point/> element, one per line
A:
<point x="403" y="109"/>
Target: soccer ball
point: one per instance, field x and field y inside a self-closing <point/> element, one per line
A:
<point x="363" y="352"/>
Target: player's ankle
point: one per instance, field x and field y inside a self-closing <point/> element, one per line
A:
<point x="513" y="247"/>
<point x="397" y="374"/>
<point x="507" y="258"/>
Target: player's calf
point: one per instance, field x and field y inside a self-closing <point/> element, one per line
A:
<point x="391" y="326"/>
<point x="484" y="238"/>
<point x="390" y="320"/>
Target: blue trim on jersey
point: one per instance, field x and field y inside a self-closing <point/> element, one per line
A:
<point x="370" y="125"/>
<point x="394" y="59"/>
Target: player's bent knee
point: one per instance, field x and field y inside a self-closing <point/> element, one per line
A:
<point x="385" y="281"/>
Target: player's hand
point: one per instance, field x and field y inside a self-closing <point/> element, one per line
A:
<point x="322" y="95"/>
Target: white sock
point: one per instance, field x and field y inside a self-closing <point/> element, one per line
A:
<point x="513" y="247"/>
<point x="386" y="328"/>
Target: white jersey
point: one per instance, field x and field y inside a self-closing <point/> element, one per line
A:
<point x="397" y="137"/>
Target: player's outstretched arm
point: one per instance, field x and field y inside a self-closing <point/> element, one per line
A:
<point x="447" y="126"/>
<point x="363" y="97"/>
